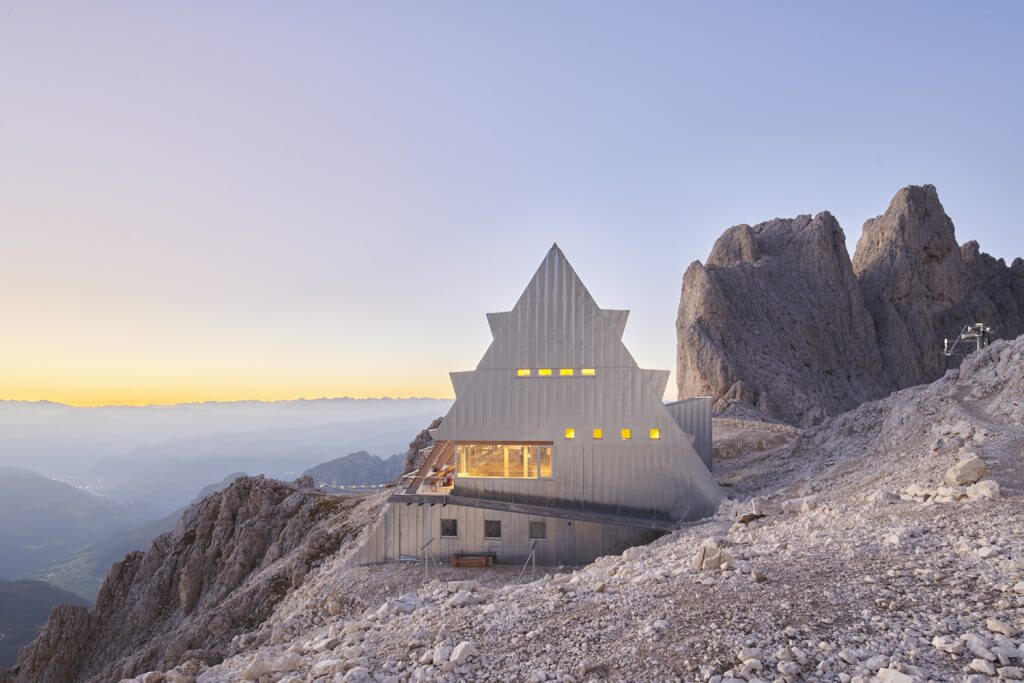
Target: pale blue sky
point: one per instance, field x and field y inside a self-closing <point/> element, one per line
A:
<point x="226" y="200"/>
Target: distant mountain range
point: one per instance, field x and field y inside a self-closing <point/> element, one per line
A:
<point x="24" y="607"/>
<point x="357" y="469"/>
<point x="154" y="458"/>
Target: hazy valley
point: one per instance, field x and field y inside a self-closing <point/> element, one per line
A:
<point x="82" y="487"/>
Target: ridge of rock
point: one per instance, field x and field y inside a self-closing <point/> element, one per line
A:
<point x="230" y="559"/>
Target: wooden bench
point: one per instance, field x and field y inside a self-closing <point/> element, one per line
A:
<point x="480" y="560"/>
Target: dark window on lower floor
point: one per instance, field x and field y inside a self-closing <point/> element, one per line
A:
<point x="492" y="528"/>
<point x="538" y="531"/>
<point x="450" y="528"/>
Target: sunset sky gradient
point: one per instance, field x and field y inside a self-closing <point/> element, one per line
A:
<point x="247" y="200"/>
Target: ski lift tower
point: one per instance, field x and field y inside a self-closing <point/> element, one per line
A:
<point x="972" y="338"/>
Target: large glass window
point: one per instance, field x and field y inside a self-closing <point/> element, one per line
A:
<point x="513" y="461"/>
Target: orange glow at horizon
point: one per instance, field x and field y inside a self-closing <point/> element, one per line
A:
<point x="73" y="362"/>
<point x="89" y="397"/>
<point x="112" y="383"/>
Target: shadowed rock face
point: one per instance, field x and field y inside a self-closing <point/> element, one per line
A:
<point x="753" y="319"/>
<point x="781" y="318"/>
<point x="910" y="272"/>
<point x="219" y="572"/>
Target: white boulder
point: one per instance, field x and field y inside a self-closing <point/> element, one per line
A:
<point x="986" y="489"/>
<point x="462" y="652"/>
<point x="969" y="470"/>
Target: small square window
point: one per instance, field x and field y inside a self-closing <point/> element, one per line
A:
<point x="598" y="433"/>
<point x="449" y="528"/>
<point x="655" y="433"/>
<point x="565" y="372"/>
<point x="492" y="528"/>
<point x="570" y="433"/>
<point x="523" y="372"/>
<point x="538" y="531"/>
<point x="544" y="372"/>
<point x="627" y="434"/>
<point x="588" y="372"/>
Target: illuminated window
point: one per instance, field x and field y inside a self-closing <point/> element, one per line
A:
<point x="627" y="434"/>
<point x="544" y="372"/>
<point x="570" y="433"/>
<point x="655" y="433"/>
<point x="598" y="433"/>
<point x="588" y="372"/>
<point x="523" y="372"/>
<point x="497" y="461"/>
<point x="565" y="372"/>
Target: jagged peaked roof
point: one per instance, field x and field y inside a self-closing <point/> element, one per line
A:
<point x="556" y="323"/>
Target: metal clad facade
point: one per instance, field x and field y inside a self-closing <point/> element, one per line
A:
<point x="556" y="324"/>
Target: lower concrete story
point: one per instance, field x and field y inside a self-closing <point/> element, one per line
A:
<point x="411" y="530"/>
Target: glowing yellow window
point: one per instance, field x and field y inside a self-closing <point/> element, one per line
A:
<point x="598" y="433"/>
<point x="544" y="372"/>
<point x="570" y="433"/>
<point x="523" y="372"/>
<point x="655" y="433"/>
<point x="588" y="372"/>
<point x="565" y="372"/>
<point x="627" y="434"/>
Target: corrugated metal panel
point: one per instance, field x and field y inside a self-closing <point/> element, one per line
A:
<point x="557" y="324"/>
<point x="694" y="417"/>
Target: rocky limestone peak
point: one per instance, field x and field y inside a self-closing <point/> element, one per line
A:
<point x="911" y="272"/>
<point x="219" y="573"/>
<point x="782" y="319"/>
<point x="736" y="245"/>
<point x="751" y="321"/>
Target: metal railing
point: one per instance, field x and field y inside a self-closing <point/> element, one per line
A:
<point x="428" y="557"/>
<point x="532" y="557"/>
